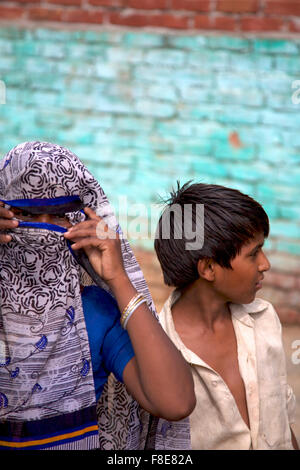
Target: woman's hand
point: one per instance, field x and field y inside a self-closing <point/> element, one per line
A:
<point x="6" y="223"/>
<point x="101" y="244"/>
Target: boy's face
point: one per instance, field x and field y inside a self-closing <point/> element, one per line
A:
<point x="42" y="218"/>
<point x="240" y="284"/>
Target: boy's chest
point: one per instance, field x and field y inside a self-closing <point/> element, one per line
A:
<point x="219" y="352"/>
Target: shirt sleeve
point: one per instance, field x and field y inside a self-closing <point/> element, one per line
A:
<point x="110" y="344"/>
<point x="291" y="404"/>
<point x="117" y="350"/>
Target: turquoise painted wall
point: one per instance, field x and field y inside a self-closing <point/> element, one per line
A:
<point x="142" y="110"/>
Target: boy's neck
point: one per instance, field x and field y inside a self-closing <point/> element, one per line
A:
<point x="200" y="304"/>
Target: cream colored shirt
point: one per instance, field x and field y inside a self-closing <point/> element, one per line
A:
<point x="216" y="422"/>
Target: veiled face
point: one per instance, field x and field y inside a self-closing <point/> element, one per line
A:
<point x="41" y="218"/>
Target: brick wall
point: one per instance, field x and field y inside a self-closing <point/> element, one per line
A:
<point x="143" y="109"/>
<point x="280" y="16"/>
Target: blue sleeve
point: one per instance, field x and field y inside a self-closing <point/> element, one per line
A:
<point x="117" y="350"/>
<point x="110" y="345"/>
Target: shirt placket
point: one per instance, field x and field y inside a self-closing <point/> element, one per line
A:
<point x="246" y="346"/>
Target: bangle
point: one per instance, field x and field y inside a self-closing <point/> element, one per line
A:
<point x="134" y="303"/>
<point x="131" y="312"/>
<point x="130" y="305"/>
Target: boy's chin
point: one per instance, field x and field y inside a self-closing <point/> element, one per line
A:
<point x="247" y="299"/>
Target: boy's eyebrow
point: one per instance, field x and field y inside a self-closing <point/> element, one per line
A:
<point x="259" y="245"/>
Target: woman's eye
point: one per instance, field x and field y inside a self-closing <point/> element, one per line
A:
<point x="25" y="214"/>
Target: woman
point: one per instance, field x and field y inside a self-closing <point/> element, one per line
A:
<point x="65" y="276"/>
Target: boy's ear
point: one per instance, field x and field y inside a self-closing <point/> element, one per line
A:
<point x="206" y="269"/>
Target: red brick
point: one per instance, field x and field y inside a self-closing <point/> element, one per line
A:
<point x="193" y="5"/>
<point x="238" y="6"/>
<point x="282" y="7"/>
<point x="11" y="13"/>
<point x="65" y="2"/>
<point x="234" y="140"/>
<point x="107" y="3"/>
<point x="221" y="23"/>
<point x="139" y="20"/>
<point x="170" y="21"/>
<point x="129" y="20"/>
<point x="83" y="16"/>
<point x="147" y="4"/>
<point x="261" y="24"/>
<point x="45" y="14"/>
<point x="294" y="26"/>
<point x="203" y="22"/>
<point x="29" y="1"/>
<point x="224" y="23"/>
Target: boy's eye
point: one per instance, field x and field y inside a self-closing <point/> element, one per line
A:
<point x="255" y="253"/>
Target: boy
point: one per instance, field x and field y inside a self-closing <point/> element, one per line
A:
<point x="231" y="341"/>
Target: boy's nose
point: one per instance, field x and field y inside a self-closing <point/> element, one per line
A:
<point x="264" y="264"/>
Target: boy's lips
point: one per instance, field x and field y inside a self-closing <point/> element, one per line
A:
<point x="258" y="285"/>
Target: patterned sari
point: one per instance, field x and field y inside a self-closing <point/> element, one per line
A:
<point x="47" y="393"/>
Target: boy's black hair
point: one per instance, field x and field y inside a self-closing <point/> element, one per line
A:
<point x="231" y="219"/>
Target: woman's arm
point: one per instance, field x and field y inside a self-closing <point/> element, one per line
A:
<point x="158" y="377"/>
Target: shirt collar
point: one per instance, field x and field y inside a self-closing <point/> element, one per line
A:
<point x="244" y="312"/>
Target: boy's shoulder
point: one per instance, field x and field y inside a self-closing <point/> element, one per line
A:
<point x="166" y="308"/>
<point x="258" y="311"/>
<point x="257" y="306"/>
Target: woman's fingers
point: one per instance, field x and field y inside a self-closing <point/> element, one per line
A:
<point x="92" y="215"/>
<point x="95" y="226"/>
<point x="82" y="227"/>
<point x="101" y="225"/>
<point x="91" y="231"/>
<point x="5" y="213"/>
<point x="6" y="223"/>
<point x="87" y="243"/>
<point x="5" y="238"/>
